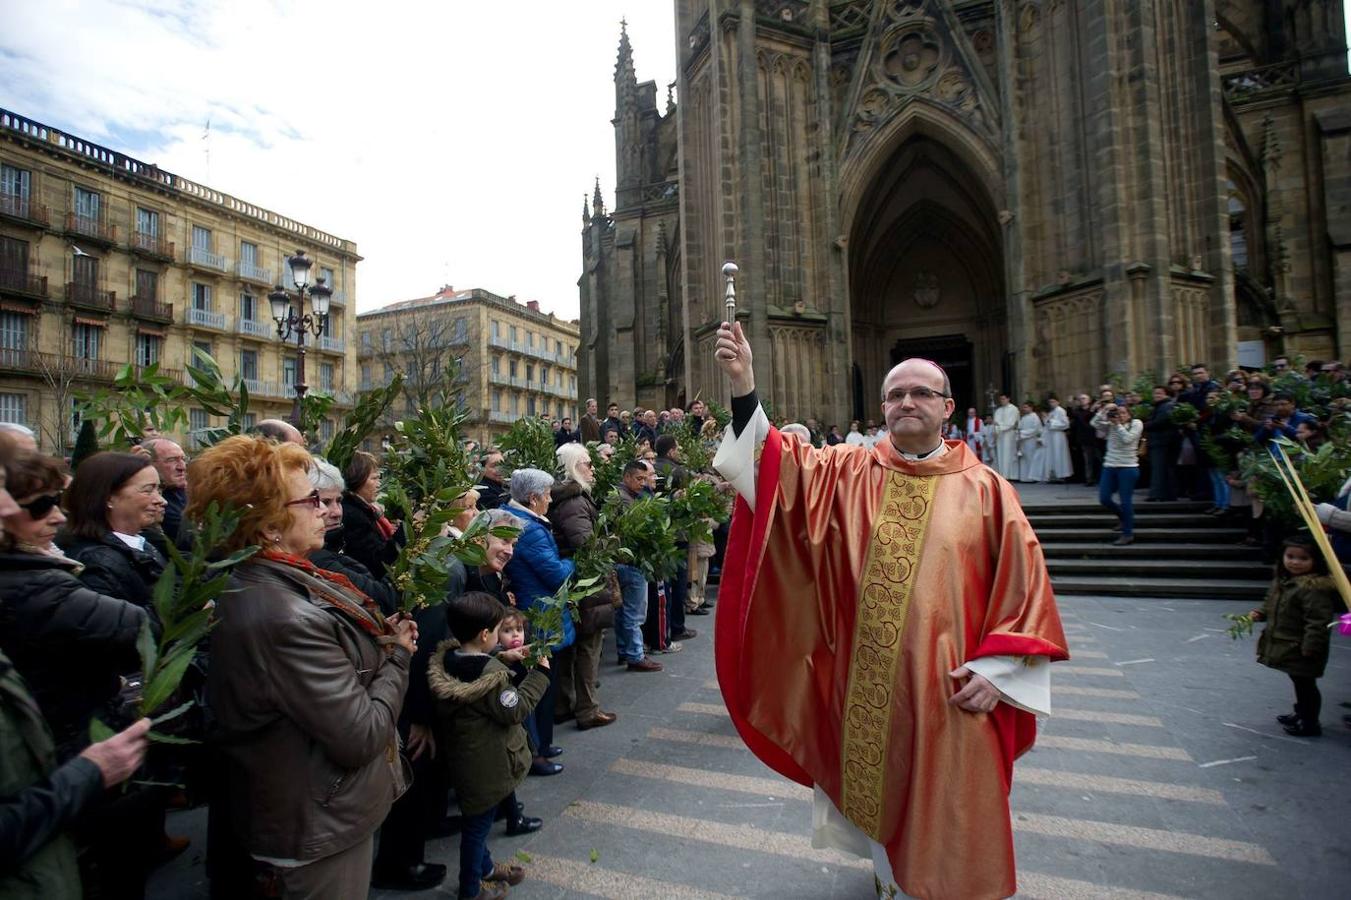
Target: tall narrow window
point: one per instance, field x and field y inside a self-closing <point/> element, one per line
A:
<point x="201" y="296"/>
<point x="148" y="347"/>
<point x="88" y="204"/>
<point x="147" y="284"/>
<point x="248" y="307"/>
<point x="84" y="271"/>
<point x="14" y="408"/>
<point x="201" y="238"/>
<point x="87" y="339"/>
<point x="13" y="331"/>
<point x="248" y="365"/>
<point x="15" y="187"/>
<point x="326" y="376"/>
<point x="13" y="263"/>
<point x="147" y="222"/>
<point x="288" y="371"/>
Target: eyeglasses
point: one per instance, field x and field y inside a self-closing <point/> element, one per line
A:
<point x="898" y="395"/>
<point x="312" y="500"/>
<point x="41" y="507"/>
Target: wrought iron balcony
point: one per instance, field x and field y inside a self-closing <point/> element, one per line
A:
<point x="21" y="209"/>
<point x="12" y="360"/>
<point x="150" y="308"/>
<point x="91" y="228"/>
<point x="502" y="418"/>
<point x="90" y="297"/>
<point x="23" y="283"/>
<point x="250" y="272"/>
<point x="331" y="344"/>
<point x="203" y="258"/>
<point x="339" y="298"/>
<point x="94" y="369"/>
<point x="152" y="246"/>
<point x="264" y="330"/>
<point x="204" y="318"/>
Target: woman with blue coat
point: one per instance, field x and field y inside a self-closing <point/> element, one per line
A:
<point x="536" y="571"/>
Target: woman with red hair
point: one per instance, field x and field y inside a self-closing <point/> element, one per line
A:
<point x="307" y="678"/>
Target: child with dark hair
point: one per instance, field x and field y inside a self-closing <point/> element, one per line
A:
<point x="1299" y="608"/>
<point x="512" y="649"/>
<point x="481" y="712"/>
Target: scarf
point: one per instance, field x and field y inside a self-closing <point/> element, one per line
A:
<point x="332" y="589"/>
<point x="386" y="528"/>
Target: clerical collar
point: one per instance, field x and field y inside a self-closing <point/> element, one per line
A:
<point x="928" y="454"/>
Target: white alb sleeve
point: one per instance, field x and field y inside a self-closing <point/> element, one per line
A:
<point x="737" y="460"/>
<point x="1025" y="681"/>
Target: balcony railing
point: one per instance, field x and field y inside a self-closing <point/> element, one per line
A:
<point x="93" y="228"/>
<point x="18" y="281"/>
<point x="502" y="418"/>
<point x="334" y="344"/>
<point x="250" y="272"/>
<point x="150" y="308"/>
<point x="500" y="342"/>
<point x="152" y="245"/>
<point x="96" y="369"/>
<point x="265" y="330"/>
<point x="204" y="318"/>
<point x="90" y="297"/>
<point x="255" y="387"/>
<point x="339" y="297"/>
<point x="21" y="207"/>
<point x="204" y="258"/>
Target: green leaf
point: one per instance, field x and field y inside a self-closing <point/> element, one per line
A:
<point x="99" y="731"/>
<point x="156" y="737"/>
<point x="173" y="713"/>
<point x="524" y="857"/>
<point x="595" y="855"/>
<point x="167" y="679"/>
<point x="146" y="647"/>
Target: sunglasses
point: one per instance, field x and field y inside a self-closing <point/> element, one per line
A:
<point x="41" y="507"/>
<point x="311" y="499"/>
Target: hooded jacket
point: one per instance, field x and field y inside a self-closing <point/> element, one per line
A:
<point x="480" y="715"/>
<point x="1298" y="611"/>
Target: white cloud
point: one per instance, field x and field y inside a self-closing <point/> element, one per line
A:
<point x="453" y="141"/>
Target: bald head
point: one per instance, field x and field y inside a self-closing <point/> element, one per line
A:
<point x="280" y="431"/>
<point x="924" y="369"/>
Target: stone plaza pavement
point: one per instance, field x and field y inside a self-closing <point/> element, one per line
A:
<point x="1162" y="774"/>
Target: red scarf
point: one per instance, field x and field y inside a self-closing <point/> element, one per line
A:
<point x="345" y="597"/>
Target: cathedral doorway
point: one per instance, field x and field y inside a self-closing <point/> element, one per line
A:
<point x="926" y="273"/>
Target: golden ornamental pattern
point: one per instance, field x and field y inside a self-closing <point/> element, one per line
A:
<point x="884" y="601"/>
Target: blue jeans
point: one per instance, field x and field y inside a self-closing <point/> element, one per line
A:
<point x="630" y="616"/>
<point x="1120" y="480"/>
<point x="476" y="863"/>
<point x="1219" y="487"/>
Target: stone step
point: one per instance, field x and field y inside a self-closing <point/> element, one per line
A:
<point x="1142" y="535"/>
<point x="1223" y="569"/>
<point x="1163" y="588"/>
<point x="1143" y="519"/>
<point x="1169" y="551"/>
<point x="1185" y="507"/>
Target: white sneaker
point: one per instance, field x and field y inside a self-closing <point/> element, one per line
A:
<point x="673" y="647"/>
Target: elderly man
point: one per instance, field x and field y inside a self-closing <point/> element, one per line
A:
<point x="281" y="431"/>
<point x="172" y="464"/>
<point x="22" y="436"/>
<point x="897" y="719"/>
<point x="588" y="427"/>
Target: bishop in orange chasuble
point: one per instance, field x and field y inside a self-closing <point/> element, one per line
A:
<point x="867" y="577"/>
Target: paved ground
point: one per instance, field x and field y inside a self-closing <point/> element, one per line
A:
<point x="1163" y="774"/>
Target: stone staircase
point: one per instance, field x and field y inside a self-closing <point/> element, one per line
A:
<point x="1178" y="552"/>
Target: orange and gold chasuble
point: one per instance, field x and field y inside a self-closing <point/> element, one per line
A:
<point x="858" y="583"/>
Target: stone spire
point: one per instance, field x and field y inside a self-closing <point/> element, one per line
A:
<point x="670" y="98"/>
<point x="625" y="76"/>
<point x="586" y="211"/>
<point x="597" y="201"/>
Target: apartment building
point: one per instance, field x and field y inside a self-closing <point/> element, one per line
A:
<point x="106" y="260"/>
<point x="514" y="360"/>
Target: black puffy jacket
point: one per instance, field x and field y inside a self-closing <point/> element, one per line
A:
<point x="113" y="568"/>
<point x="70" y="643"/>
<point x="363" y="540"/>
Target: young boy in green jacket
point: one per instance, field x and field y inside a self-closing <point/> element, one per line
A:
<point x="480" y="714"/>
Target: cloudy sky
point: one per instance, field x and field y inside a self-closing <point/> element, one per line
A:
<point x="452" y="140"/>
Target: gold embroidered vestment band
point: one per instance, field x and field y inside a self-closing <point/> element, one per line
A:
<point x="884" y="601"/>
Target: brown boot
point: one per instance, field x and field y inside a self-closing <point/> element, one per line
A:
<point x="490" y="890"/>
<point x="509" y="873"/>
<point x="599" y="720"/>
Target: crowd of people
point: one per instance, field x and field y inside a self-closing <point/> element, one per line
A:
<point x="337" y="734"/>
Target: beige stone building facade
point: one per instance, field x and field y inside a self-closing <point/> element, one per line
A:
<point x="514" y="360"/>
<point x="1034" y="193"/>
<point x="106" y="260"/>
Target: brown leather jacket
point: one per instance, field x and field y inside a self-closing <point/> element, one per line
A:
<point x="306" y="703"/>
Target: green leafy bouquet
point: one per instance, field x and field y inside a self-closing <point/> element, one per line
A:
<point x="528" y="444"/>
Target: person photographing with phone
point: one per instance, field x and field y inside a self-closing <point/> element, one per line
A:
<point x="1120" y="465"/>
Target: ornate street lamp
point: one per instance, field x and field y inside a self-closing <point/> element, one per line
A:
<point x="292" y="320"/>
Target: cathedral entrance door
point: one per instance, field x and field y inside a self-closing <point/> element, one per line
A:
<point x="955" y="354"/>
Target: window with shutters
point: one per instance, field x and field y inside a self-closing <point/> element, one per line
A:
<point x="248" y="307"/>
<point x="147" y="222"/>
<point x="13" y="331"/>
<point x="248" y="365"/>
<point x="201" y="296"/>
<point x="14" y="408"/>
<point x="16" y="186"/>
<point x="201" y="238"/>
<point x="84" y="271"/>
<point x="13" y="263"/>
<point x="148" y="348"/>
<point x="288" y="371"/>
<point x="88" y="204"/>
<point x="198" y="423"/>
<point x="326" y="376"/>
<point x="87" y="339"/>
<point x="147" y="284"/>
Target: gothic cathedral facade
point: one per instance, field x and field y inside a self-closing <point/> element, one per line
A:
<point x="1036" y="194"/>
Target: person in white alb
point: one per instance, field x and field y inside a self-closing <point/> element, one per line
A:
<point x="1056" y="440"/>
<point x="1006" y="438"/>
